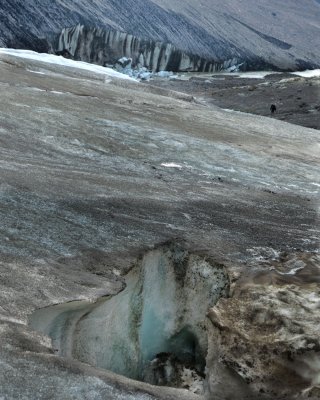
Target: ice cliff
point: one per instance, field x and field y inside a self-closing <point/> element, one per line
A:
<point x="106" y="46"/>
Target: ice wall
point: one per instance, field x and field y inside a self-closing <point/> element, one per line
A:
<point x="106" y="46"/>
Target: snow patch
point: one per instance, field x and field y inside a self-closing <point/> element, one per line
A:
<point x="293" y="271"/>
<point x="36" y="72"/>
<point x="255" y="75"/>
<point x="171" y="165"/>
<point x="59" y="60"/>
<point x="308" y="73"/>
<point x="250" y="74"/>
<point x="37" y="89"/>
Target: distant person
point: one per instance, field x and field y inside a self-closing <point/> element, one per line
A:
<point x="273" y="108"/>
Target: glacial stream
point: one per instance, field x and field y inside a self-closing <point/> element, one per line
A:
<point x="154" y="330"/>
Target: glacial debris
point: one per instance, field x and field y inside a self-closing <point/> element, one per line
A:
<point x="265" y="337"/>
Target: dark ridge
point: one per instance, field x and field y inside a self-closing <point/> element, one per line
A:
<point x="277" y="42"/>
<point x="29" y="41"/>
<point x="303" y="64"/>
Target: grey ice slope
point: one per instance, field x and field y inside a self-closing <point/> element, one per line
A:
<point x="263" y="33"/>
<point x="95" y="172"/>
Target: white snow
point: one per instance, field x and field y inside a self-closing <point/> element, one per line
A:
<point x="37" y="89"/>
<point x="309" y="73"/>
<point x="171" y="165"/>
<point x="262" y="74"/>
<point x="36" y="72"/>
<point x="249" y="74"/>
<point x="59" y="60"/>
<point x="255" y="75"/>
<point x="293" y="271"/>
